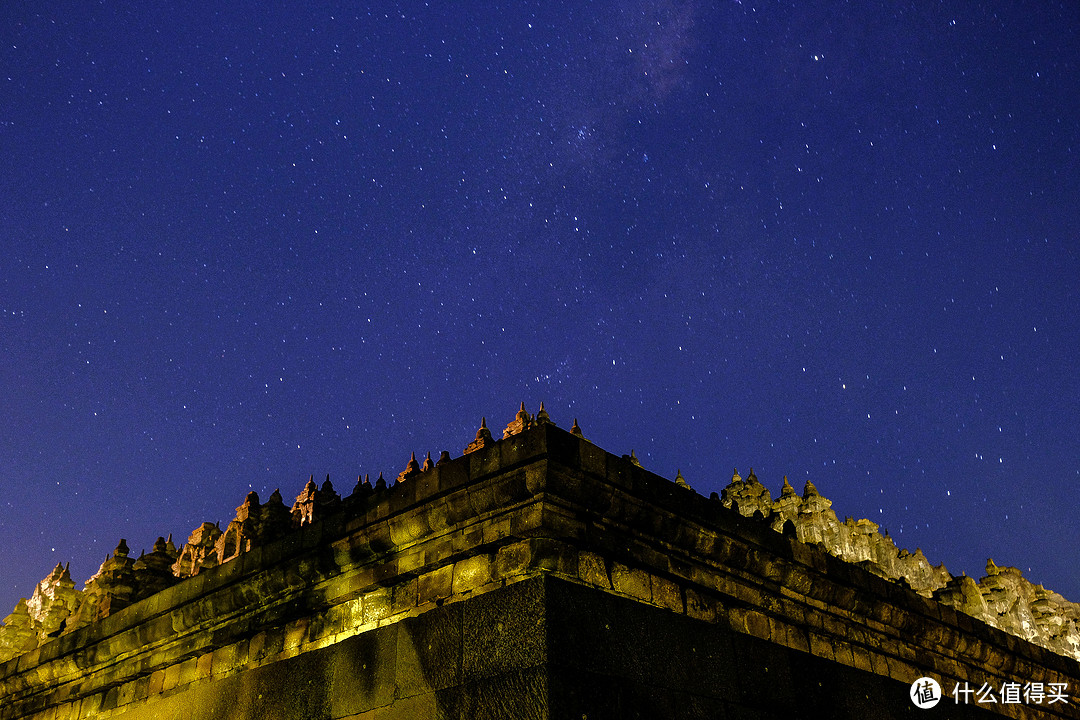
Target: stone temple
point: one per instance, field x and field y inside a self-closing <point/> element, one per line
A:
<point x="537" y="576"/>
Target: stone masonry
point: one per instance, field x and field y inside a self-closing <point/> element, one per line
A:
<point x="470" y="587"/>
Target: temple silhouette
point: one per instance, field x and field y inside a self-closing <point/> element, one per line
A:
<point x="537" y="576"/>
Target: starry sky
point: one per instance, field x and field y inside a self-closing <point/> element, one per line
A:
<point x="243" y="243"/>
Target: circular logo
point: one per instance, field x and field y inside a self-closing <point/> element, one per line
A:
<point x="925" y="693"/>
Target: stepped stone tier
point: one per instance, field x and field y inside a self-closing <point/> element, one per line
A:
<point x="536" y="576"/>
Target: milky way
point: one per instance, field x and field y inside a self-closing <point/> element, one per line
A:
<point x="247" y="244"/>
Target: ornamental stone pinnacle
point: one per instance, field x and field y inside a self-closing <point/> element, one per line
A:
<point x="575" y="430"/>
<point x="521" y="422"/>
<point x="412" y="468"/>
<point x="516" y="563"/>
<point x="483" y="438"/>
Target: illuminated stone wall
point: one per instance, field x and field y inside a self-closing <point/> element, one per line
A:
<point x="536" y="576"/>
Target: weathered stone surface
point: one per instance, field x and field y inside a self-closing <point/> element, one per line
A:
<point x="1003" y="599"/>
<point x="54" y="600"/>
<point x="200" y="551"/>
<point x="537" y="576"/>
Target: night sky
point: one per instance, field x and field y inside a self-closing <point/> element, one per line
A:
<point x="242" y="243"/>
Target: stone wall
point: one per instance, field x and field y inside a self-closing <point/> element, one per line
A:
<point x="282" y="590"/>
<point x="1003" y="598"/>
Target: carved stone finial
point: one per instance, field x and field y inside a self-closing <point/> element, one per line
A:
<point x="483" y="438"/>
<point x="411" y="469"/>
<point x="363" y="486"/>
<point x="444" y="457"/>
<point x="542" y="417"/>
<point x="680" y="480"/>
<point x="121" y="549"/>
<point x="633" y="458"/>
<point x="751" y="478"/>
<point x="380" y="483"/>
<point x="575" y="430"/>
<point x="735" y="477"/>
<point x="787" y="490"/>
<point x="522" y="421"/>
<point x="428" y="463"/>
<point x="809" y="490"/>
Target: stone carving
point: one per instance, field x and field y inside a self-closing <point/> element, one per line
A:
<point x="412" y="468"/>
<point x="521" y="422"/>
<point x="112" y="588"/>
<point x="200" y="552"/>
<point x="483" y="438"/>
<point x="153" y="571"/>
<point x="54" y="599"/>
<point x="313" y="501"/>
<point x="1003" y="599"/>
<point x="17" y="634"/>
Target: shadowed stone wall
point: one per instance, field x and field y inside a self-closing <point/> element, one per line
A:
<point x="537" y="576"/>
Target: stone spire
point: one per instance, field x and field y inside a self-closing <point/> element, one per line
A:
<point x="748" y="496"/>
<point x="153" y="571"/>
<point x="680" y="480"/>
<point x="542" y="417"/>
<point x="54" y="599"/>
<point x="363" y="486"/>
<point x="428" y="463"/>
<point x="483" y="438"/>
<point x="17" y="634"/>
<point x="521" y="422"/>
<point x="111" y="589"/>
<point x="575" y="430"/>
<point x="199" y="552"/>
<point x="412" y="468"/>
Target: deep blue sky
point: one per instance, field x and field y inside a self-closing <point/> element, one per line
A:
<point x="243" y="243"/>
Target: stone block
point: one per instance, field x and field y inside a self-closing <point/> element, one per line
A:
<point x="503" y="632"/>
<point x="631" y="581"/>
<point x="376" y="605"/>
<point x="359" y="674"/>
<point x="188" y="672"/>
<point x="527" y="520"/>
<point x="454" y="474"/>
<point x="513" y="560"/>
<point x="483" y="462"/>
<point x="429" y="651"/>
<point x="126" y="693"/>
<point x="435" y="585"/>
<point x="496" y="529"/>
<point x="295" y="634"/>
<point x="666" y="594"/>
<point x="157" y="682"/>
<point x="592" y="570"/>
<point x="228" y="659"/>
<point x="404" y="596"/>
<point x="553" y="556"/>
<point x="593" y="459"/>
<point x="471" y="573"/>
<point x="204" y="666"/>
